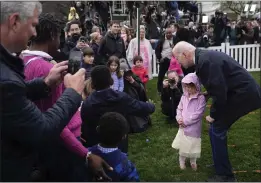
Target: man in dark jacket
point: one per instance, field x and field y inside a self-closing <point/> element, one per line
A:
<point x="73" y="41"/>
<point x="111" y="44"/>
<point x="134" y="87"/>
<point x="163" y="53"/>
<point x="105" y="99"/>
<point x="24" y="128"/>
<point x="256" y="31"/>
<point x="219" y="26"/>
<point x="234" y="91"/>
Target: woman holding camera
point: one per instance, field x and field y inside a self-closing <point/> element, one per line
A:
<point x="170" y="95"/>
<point x="134" y="87"/>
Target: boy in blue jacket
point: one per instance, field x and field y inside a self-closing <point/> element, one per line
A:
<point x="112" y="129"/>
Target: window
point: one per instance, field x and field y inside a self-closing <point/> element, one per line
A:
<point x="119" y="7"/>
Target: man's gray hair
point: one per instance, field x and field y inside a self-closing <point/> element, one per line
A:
<point x="24" y="8"/>
<point x="142" y="27"/>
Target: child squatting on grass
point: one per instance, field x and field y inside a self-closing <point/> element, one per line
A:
<point x="189" y="114"/>
<point x="112" y="129"/>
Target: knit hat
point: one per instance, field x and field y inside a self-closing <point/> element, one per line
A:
<point x="124" y="66"/>
<point x="123" y="60"/>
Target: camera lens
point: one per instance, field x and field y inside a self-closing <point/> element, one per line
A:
<point x="172" y="81"/>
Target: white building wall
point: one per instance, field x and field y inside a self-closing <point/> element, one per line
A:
<point x="209" y="8"/>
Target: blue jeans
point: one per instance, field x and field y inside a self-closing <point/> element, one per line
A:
<point x="218" y="140"/>
<point x="154" y="45"/>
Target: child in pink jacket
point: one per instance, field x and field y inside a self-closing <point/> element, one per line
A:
<point x="38" y="64"/>
<point x="189" y="114"/>
<point x="174" y="65"/>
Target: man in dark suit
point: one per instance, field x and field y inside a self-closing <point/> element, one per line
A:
<point x="234" y="91"/>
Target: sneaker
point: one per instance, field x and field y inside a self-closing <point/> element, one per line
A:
<point x="182" y="166"/>
<point x="220" y="178"/>
<point x="194" y="166"/>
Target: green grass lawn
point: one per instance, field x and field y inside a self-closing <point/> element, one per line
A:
<point x="157" y="161"/>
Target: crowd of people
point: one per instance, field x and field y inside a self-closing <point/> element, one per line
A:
<point x="51" y="116"/>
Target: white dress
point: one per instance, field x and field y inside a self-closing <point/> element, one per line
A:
<point x="189" y="147"/>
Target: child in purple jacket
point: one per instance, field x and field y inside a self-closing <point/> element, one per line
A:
<point x="189" y="114"/>
<point x="114" y="66"/>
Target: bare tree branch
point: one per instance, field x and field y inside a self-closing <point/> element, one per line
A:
<point x="236" y="7"/>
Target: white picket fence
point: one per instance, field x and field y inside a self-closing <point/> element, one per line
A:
<point x="247" y="55"/>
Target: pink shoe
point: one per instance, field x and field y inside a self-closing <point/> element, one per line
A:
<point x="194" y="166"/>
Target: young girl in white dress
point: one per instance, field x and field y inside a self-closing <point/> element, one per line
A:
<point x="189" y="114"/>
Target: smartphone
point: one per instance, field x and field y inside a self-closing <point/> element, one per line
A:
<point x="74" y="63"/>
<point x="82" y="39"/>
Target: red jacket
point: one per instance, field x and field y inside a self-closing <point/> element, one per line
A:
<point x="141" y="72"/>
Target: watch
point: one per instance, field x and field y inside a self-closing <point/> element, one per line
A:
<point x="88" y="154"/>
<point x="87" y="157"/>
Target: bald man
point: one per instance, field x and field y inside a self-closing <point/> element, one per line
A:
<point x="234" y="91"/>
<point x="163" y="53"/>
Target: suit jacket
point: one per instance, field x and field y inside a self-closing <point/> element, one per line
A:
<point x="233" y="89"/>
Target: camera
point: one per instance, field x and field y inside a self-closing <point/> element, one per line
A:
<point x="74" y="63"/>
<point x="83" y="39"/>
<point x="172" y="82"/>
<point x="205" y="37"/>
<point x="128" y="73"/>
<point x="73" y="66"/>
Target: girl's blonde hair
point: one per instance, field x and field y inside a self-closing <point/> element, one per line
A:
<point x="88" y="88"/>
<point x="94" y="36"/>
